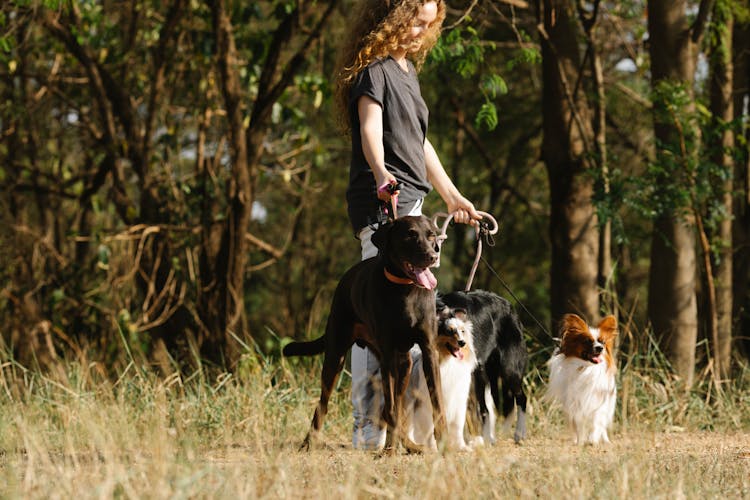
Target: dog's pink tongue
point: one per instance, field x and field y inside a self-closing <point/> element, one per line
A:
<point x="425" y="278"/>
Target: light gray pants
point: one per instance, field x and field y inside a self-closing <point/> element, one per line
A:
<point x="367" y="388"/>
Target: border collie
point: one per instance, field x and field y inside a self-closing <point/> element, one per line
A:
<point x="456" y="362"/>
<point x="501" y="354"/>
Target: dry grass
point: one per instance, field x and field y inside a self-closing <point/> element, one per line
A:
<point x="142" y="437"/>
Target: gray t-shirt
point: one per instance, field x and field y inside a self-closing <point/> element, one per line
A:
<point x="404" y="131"/>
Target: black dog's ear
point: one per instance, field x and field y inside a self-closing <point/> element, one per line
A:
<point x="461" y="314"/>
<point x="380" y="237"/>
<point x="443" y="311"/>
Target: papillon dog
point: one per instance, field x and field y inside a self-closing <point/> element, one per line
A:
<point x="457" y="361"/>
<point x="582" y="377"/>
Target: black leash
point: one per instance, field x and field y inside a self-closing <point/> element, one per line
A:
<point x="518" y="301"/>
<point x="486" y="230"/>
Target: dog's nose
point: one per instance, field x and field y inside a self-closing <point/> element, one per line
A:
<point x="598" y="348"/>
<point x="461" y="343"/>
<point x="434" y="258"/>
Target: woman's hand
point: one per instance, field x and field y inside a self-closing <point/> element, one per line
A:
<point x="463" y="211"/>
<point x="382" y="182"/>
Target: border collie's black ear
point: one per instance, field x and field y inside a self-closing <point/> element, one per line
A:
<point x="461" y="314"/>
<point x="443" y="312"/>
<point x="380" y="237"/>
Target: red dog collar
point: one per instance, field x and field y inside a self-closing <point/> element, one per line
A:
<point x="395" y="279"/>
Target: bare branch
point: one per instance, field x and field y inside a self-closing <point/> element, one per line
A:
<point x="265" y="100"/>
<point x="699" y="25"/>
<point x="264" y="246"/>
<point x="463" y="16"/>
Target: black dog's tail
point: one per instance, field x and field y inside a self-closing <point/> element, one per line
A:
<point x="309" y="348"/>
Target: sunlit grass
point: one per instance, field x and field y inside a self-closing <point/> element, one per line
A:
<point x="77" y="434"/>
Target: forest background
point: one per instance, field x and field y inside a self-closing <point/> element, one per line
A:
<point x="173" y="175"/>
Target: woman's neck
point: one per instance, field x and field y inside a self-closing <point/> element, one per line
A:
<point x="400" y="57"/>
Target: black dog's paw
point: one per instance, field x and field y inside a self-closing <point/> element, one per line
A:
<point x="305" y="446"/>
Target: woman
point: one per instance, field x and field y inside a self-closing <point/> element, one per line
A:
<point x="380" y="103"/>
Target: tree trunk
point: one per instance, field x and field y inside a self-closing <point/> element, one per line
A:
<point x="741" y="209"/>
<point x="672" y="304"/>
<point x="566" y="146"/>
<point x="604" y="276"/>
<point x="224" y="248"/>
<point x="723" y="113"/>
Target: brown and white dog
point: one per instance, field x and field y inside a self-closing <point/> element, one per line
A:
<point x="582" y="377"/>
<point x="457" y="361"/>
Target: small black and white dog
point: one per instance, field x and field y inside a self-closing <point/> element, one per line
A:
<point x="454" y="345"/>
<point x="501" y="354"/>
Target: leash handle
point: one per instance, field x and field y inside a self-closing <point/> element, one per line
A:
<point x="482" y="227"/>
<point x="449" y="217"/>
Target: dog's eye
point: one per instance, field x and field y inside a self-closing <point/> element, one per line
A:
<point x="412" y="234"/>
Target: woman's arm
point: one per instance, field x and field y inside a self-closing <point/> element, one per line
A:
<point x="463" y="210"/>
<point x="371" y="132"/>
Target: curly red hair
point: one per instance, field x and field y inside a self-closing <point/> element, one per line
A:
<point x="373" y="34"/>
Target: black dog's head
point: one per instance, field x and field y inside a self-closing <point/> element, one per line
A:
<point x="409" y="247"/>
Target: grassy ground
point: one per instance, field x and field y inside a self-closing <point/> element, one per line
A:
<point x="75" y="435"/>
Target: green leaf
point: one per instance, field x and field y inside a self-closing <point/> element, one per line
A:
<point x="487" y="116"/>
<point x="494" y="85"/>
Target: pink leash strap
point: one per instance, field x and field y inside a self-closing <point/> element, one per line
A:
<point x="442" y="237"/>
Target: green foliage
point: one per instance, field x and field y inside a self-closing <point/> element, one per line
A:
<point x="461" y="51"/>
<point x="487" y="115"/>
<point x="526" y="54"/>
<point x="678" y="177"/>
<point x="684" y="177"/>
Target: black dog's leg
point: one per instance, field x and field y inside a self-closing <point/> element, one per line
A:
<point x="402" y="382"/>
<point x="520" y="433"/>
<point x="492" y="369"/>
<point x="480" y="386"/>
<point x="432" y="377"/>
<point x="332" y="366"/>
<point x="509" y="401"/>
<point x="513" y="396"/>
<point x="387" y="372"/>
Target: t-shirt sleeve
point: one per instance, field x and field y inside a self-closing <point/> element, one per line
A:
<point x="370" y="82"/>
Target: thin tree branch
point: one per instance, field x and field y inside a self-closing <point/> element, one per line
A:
<point x="466" y="14"/>
<point x="264" y="102"/>
<point x="699" y="25"/>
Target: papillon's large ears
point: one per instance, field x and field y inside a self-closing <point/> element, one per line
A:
<point x="608" y="327"/>
<point x="380" y="237"/>
<point x="571" y="324"/>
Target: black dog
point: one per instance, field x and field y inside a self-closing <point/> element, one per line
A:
<point x="500" y="350"/>
<point x="387" y="303"/>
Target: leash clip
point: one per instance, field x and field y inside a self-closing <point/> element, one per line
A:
<point x="392" y="189"/>
<point x="488" y="233"/>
